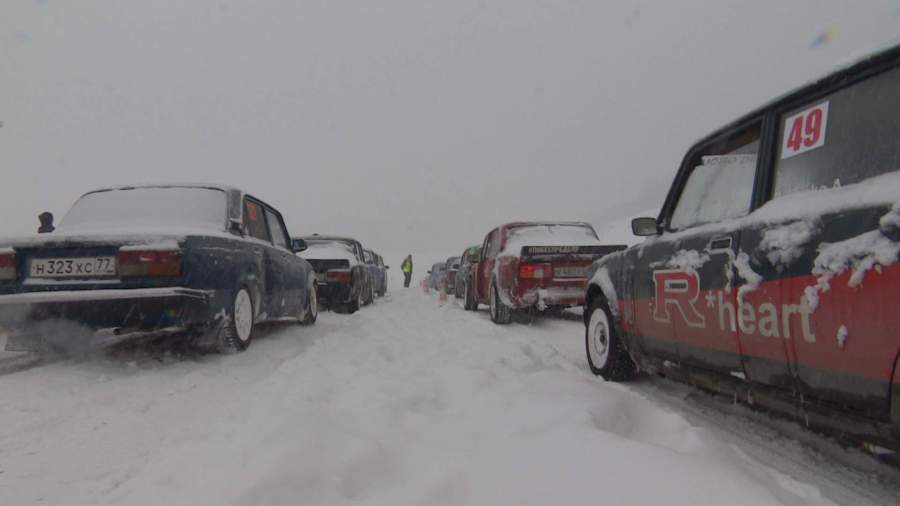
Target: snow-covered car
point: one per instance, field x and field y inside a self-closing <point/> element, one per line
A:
<point x="526" y="266"/>
<point x="468" y="258"/>
<point x="435" y="274"/>
<point x="204" y="262"/>
<point x="378" y="271"/>
<point x="448" y="275"/>
<point x="771" y="271"/>
<point x="344" y="279"/>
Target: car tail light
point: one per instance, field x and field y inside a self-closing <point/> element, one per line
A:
<point x="7" y="266"/>
<point x="535" y="271"/>
<point x="338" y="276"/>
<point x="150" y="263"/>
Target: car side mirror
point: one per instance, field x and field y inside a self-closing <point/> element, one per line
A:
<point x="643" y="227"/>
<point x="429" y="272"/>
<point x="387" y="266"/>
<point x="234" y="226"/>
<point x="298" y="245"/>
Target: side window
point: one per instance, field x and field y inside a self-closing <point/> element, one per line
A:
<point x="843" y="138"/>
<point x="720" y="184"/>
<point x="255" y="221"/>
<point x="367" y="256"/>
<point x="279" y="235"/>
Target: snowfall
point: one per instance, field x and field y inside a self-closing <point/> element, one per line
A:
<point x="410" y="401"/>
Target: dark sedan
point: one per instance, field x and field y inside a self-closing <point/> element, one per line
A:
<point x="344" y="280"/>
<point x="137" y="262"/>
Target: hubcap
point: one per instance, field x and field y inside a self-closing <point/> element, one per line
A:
<point x="243" y="315"/>
<point x="599" y="338"/>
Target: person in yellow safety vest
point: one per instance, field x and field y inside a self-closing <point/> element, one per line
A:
<point x="407" y="270"/>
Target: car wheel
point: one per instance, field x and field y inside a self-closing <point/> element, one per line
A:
<point x="605" y="354"/>
<point x="312" y="304"/>
<point x="238" y="330"/>
<point x="356" y="302"/>
<point x="469" y="303"/>
<point x="501" y="314"/>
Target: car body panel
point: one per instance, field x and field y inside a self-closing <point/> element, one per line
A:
<point x="794" y="299"/>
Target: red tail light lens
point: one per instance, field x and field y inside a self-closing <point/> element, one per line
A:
<point x="150" y="263"/>
<point x="535" y="271"/>
<point x="338" y="276"/>
<point x="7" y="266"/>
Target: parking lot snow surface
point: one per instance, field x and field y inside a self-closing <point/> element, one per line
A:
<point x="405" y="402"/>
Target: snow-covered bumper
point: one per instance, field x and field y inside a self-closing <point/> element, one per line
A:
<point x="544" y="295"/>
<point x="31" y="320"/>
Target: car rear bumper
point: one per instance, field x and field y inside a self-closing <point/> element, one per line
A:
<point x="100" y="317"/>
<point x="554" y="295"/>
<point x="334" y="293"/>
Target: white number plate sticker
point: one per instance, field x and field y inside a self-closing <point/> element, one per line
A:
<point x="320" y="276"/>
<point x="569" y="272"/>
<point x="80" y="267"/>
<point x="804" y="131"/>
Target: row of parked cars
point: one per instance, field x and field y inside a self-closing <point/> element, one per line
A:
<point x="523" y="268"/>
<point x="207" y="263"/>
<point x="770" y="275"/>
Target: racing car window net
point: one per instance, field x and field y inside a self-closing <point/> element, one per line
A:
<point x="158" y="208"/>
<point x="254" y="221"/>
<point x="720" y="185"/>
<point x="855" y="132"/>
<point x="279" y="236"/>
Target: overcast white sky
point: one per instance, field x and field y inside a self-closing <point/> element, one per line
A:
<point x="414" y="125"/>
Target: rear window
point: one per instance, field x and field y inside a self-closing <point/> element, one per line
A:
<point x="328" y="250"/>
<point x="153" y="208"/>
<point x="843" y="138"/>
<point x="550" y="235"/>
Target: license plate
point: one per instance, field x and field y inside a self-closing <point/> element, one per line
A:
<point x="569" y="272"/>
<point x="320" y="277"/>
<point x="83" y="267"/>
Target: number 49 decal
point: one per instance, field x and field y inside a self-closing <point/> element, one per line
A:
<point x="804" y="131"/>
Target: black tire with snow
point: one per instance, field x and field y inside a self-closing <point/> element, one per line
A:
<point x="605" y="354"/>
<point x="469" y="303"/>
<point x="311" y="313"/>
<point x="501" y="314"/>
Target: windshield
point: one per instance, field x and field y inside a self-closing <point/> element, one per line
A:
<point x="163" y="209"/>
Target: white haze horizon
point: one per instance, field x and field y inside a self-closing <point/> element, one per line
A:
<point x="415" y="126"/>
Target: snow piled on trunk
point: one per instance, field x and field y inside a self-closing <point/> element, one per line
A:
<point x="402" y="403"/>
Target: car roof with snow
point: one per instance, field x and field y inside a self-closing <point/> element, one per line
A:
<point x="855" y="68"/>
<point x="210" y="186"/>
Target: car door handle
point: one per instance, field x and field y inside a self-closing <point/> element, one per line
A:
<point x="722" y="243"/>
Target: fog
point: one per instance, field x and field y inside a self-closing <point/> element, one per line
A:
<point x="412" y="125"/>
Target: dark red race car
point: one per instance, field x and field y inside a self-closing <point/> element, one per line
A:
<point x="533" y="266"/>
<point x="771" y="272"/>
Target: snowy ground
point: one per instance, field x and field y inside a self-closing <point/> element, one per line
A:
<point x="406" y="402"/>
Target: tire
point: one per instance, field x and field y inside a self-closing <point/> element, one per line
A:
<point x="605" y="354"/>
<point x="501" y="314"/>
<point x="356" y="302"/>
<point x="311" y="314"/>
<point x="469" y="303"/>
<point x="237" y="332"/>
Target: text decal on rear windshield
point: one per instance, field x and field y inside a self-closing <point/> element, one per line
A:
<point x="804" y="131"/>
